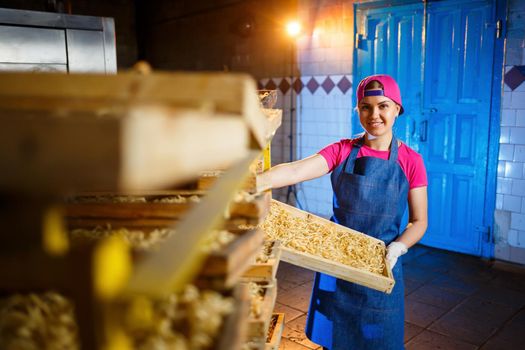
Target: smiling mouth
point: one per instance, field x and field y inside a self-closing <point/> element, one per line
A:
<point x="375" y="124"/>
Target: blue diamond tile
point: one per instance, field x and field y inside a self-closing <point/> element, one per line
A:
<point x="270" y="85"/>
<point x="298" y="86"/>
<point x="328" y="85"/>
<point x="515" y="76"/>
<point x="284" y="86"/>
<point x="312" y="85"/>
<point x="344" y="85"/>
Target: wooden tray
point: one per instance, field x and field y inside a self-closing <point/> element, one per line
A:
<point x="252" y="183"/>
<point x="219" y="93"/>
<point x="274" y="339"/>
<point x="223" y="269"/>
<point x="383" y="283"/>
<point x="144" y="148"/>
<point x="234" y="328"/>
<point x="265" y="271"/>
<point x="148" y="215"/>
<point x="258" y="327"/>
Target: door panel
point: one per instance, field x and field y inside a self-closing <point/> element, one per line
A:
<point x="456" y="104"/>
<point x="389" y="41"/>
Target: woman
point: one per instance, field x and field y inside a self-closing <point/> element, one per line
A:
<point x="373" y="178"/>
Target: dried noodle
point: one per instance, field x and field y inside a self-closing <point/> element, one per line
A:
<point x="306" y="235"/>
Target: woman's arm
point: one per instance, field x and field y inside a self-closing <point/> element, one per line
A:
<point x="291" y="173"/>
<point x="418" y="217"/>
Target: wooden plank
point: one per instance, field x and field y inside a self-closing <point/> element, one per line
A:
<point x="252" y="184"/>
<point x="149" y="210"/>
<point x="131" y="224"/>
<point x="230" y="93"/>
<point x="234" y="328"/>
<point x="142" y="148"/>
<point x="224" y="269"/>
<point x="383" y="283"/>
<point x="240" y="223"/>
<point x="208" y="178"/>
<point x="258" y="327"/>
<point x="256" y="207"/>
<point x="230" y="224"/>
<point x="345" y="272"/>
<point x="274" y="339"/>
<point x="235" y="257"/>
<point x="265" y="271"/>
<point x="151" y="215"/>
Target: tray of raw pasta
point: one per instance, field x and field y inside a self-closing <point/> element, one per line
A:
<point x="321" y="245"/>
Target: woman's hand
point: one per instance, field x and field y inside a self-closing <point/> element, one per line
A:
<point x="394" y="251"/>
<point x="287" y="174"/>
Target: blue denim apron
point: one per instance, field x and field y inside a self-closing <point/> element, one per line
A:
<point x="370" y="195"/>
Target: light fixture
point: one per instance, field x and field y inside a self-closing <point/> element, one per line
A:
<point x="293" y="28"/>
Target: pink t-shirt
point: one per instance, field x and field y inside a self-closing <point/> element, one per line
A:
<point x="410" y="161"/>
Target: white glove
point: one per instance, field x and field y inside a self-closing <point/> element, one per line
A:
<point x="394" y="251"/>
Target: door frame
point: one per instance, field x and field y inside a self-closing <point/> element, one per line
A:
<point x="487" y="245"/>
<point x="500" y="9"/>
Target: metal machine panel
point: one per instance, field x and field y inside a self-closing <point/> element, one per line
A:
<point x="110" y="49"/>
<point x="49" y="19"/>
<point x="42" y="41"/>
<point x="33" y="67"/>
<point x="85" y="49"/>
<point x="32" y="45"/>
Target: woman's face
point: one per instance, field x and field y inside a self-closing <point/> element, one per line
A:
<point x="377" y="114"/>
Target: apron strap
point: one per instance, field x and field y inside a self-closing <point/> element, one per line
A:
<point x="393" y="150"/>
<point x="350" y="160"/>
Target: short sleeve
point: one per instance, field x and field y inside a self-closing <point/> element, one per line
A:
<point x="331" y="154"/>
<point x="417" y="174"/>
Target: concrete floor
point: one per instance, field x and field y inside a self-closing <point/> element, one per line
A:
<point x="452" y="301"/>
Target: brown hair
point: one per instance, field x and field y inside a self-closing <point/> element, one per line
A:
<point x="374" y="84"/>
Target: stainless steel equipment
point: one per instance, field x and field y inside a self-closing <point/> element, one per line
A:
<point x="43" y="41"/>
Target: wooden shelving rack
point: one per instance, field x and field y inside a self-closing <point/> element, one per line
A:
<point x="70" y="136"/>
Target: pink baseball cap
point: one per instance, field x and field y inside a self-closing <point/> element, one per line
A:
<point x="390" y="89"/>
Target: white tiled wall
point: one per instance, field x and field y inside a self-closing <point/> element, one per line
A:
<point x="323" y="118"/>
<point x="510" y="192"/>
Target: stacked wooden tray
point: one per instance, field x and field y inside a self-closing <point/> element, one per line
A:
<point x="252" y="184"/>
<point x="262" y="306"/>
<point x="54" y="139"/>
<point x="275" y="331"/>
<point x="159" y="209"/>
<point x="223" y="269"/>
<point x="266" y="263"/>
<point x="133" y="134"/>
<point x="234" y="328"/>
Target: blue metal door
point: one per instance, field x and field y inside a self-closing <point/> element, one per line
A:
<point x="456" y="115"/>
<point x="447" y="100"/>
<point x="389" y="40"/>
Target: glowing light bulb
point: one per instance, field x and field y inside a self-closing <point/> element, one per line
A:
<point x="293" y="28"/>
